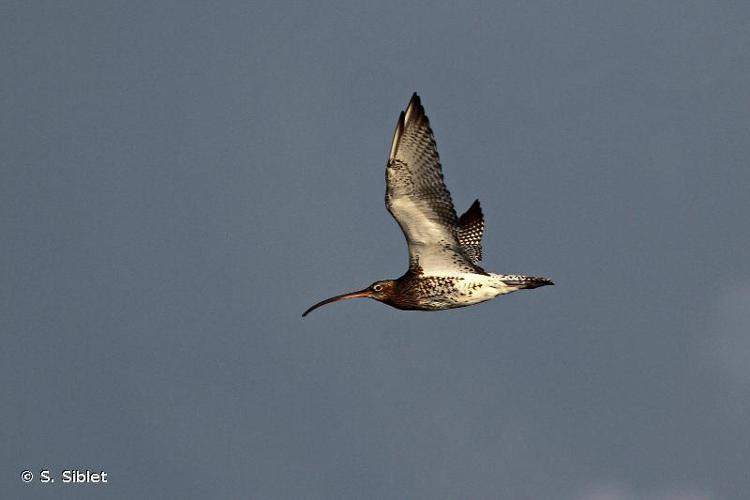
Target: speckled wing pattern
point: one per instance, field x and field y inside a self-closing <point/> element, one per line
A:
<point x="417" y="198"/>
<point x="470" y="231"/>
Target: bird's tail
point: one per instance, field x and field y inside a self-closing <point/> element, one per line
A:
<point x="521" y="282"/>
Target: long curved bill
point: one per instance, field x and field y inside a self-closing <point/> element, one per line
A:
<point x="345" y="296"/>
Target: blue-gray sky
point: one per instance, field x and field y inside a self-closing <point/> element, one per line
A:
<point x="180" y="180"/>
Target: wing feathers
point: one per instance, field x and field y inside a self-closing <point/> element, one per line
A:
<point x="417" y="197"/>
<point x="397" y="135"/>
<point x="470" y="231"/>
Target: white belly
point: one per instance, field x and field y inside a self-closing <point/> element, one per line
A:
<point x="468" y="289"/>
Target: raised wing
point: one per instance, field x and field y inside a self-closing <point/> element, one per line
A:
<point x="417" y="198"/>
<point x="470" y="231"/>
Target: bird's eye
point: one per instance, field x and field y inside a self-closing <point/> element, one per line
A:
<point x="378" y="288"/>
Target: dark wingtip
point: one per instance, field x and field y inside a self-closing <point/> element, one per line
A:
<point x="415" y="111"/>
<point x="416" y="103"/>
<point x="474" y="213"/>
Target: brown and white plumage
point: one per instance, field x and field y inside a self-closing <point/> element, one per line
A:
<point x="417" y="198"/>
<point x="444" y="250"/>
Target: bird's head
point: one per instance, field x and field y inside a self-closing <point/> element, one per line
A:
<point x="380" y="290"/>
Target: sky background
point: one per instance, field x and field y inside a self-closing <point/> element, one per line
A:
<point x="180" y="180"/>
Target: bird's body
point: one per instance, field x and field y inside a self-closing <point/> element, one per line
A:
<point x="435" y="292"/>
<point x="444" y="250"/>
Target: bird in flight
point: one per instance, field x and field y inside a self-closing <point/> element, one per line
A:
<point x="444" y="249"/>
